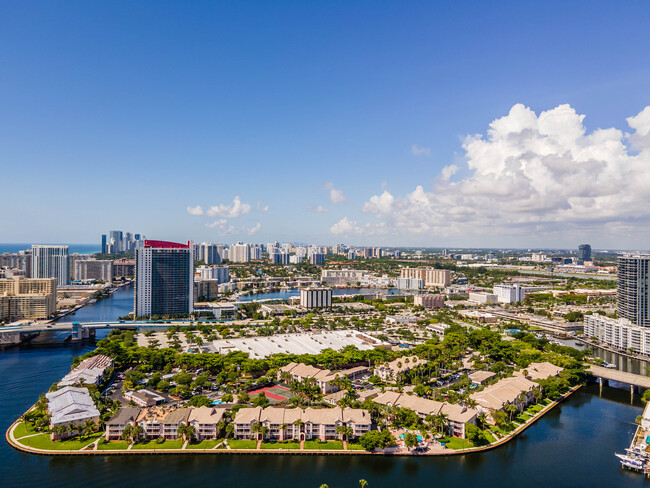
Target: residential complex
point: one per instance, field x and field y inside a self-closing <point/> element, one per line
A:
<point x="316" y="297"/>
<point x="164" y="279"/>
<point x="430" y="276"/>
<point x="429" y="301"/>
<point x="51" y="262"/>
<point x="70" y="406"/>
<point x="93" y="269"/>
<point x="27" y="298"/>
<point x="509" y="293"/>
<point x="323" y="378"/>
<point x="633" y="282"/>
<point x="298" y="424"/>
<point x="90" y="371"/>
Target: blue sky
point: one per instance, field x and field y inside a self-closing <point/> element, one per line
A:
<point x="324" y="119"/>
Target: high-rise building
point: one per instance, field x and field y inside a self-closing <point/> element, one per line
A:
<point x="317" y="258"/>
<point x="21" y="260"/>
<point x="27" y="298"/>
<point x="509" y="293"/>
<point x="164" y="279"/>
<point x="219" y="273"/>
<point x="316" y="297"/>
<point x="115" y="236"/>
<point x="240" y="253"/>
<point x="633" y="293"/>
<point x="94" y="269"/>
<point x="103" y="243"/>
<point x="208" y="253"/>
<point x="430" y="276"/>
<point x="51" y="262"/>
<point x="584" y="253"/>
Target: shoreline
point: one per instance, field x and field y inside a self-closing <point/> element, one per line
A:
<point x="15" y="443"/>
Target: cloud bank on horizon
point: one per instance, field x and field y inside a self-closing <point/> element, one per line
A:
<point x="529" y="173"/>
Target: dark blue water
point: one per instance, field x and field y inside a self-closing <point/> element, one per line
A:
<point x="292" y="292"/>
<point x="572" y="446"/>
<point x="78" y="248"/>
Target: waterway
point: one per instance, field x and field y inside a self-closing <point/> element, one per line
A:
<point x="292" y="292"/>
<point x="571" y="446"/>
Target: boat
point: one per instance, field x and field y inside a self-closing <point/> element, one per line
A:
<point x="630" y="462"/>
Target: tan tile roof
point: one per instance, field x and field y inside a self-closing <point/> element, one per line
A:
<point x="504" y="391"/>
<point x="458" y="413"/>
<point x="537" y="371"/>
<point x="481" y="376"/>
<point x="247" y="415"/>
<point x="206" y="415"/>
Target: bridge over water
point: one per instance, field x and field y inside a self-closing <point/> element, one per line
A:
<point x="604" y="375"/>
<point x="14" y="334"/>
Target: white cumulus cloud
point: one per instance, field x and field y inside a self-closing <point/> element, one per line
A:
<point x="336" y="196"/>
<point x="198" y="210"/>
<point x="345" y="226"/>
<point x="420" y="151"/>
<point x="541" y="173"/>
<point x="254" y="229"/>
<point x="318" y="209"/>
<point x="229" y="211"/>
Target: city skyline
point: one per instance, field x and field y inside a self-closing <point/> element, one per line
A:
<point x="382" y="125"/>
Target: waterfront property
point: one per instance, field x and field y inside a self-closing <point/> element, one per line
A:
<point x="69" y="406"/>
<point x="516" y="390"/>
<point x="298" y="424"/>
<point x="116" y="425"/>
<point x="90" y="371"/>
<point x="458" y="416"/>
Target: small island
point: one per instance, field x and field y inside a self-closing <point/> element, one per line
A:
<point x="467" y="389"/>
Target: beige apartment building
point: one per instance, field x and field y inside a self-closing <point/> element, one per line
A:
<point x="431" y="276"/>
<point x="27" y="298"/>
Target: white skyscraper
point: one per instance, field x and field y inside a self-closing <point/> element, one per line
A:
<point x="51" y="262"/>
<point x="240" y="253"/>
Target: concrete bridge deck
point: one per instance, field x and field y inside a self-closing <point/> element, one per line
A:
<point x="620" y="376"/>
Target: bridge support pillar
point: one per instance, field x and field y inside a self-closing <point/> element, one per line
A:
<point x="79" y="332"/>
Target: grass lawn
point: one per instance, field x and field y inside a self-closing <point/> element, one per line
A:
<point x="113" y="445"/>
<point x="280" y="445"/>
<point x="177" y="444"/>
<point x="242" y="444"/>
<point x="489" y="436"/>
<point x="457" y="443"/>
<point x="534" y="409"/>
<point x="23" y="429"/>
<point x="524" y="417"/>
<point x="323" y="445"/>
<point x="353" y="446"/>
<point x="42" y="441"/>
<point x="546" y="401"/>
<point x="204" y="444"/>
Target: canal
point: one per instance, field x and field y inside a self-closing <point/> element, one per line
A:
<point x="573" y="445"/>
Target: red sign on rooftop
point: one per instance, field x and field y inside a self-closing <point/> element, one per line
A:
<point x="165" y="244"/>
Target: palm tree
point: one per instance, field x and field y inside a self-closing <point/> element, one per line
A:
<point x="481" y="420"/>
<point x="255" y="428"/>
<point x="186" y="431"/>
<point x="89" y="426"/>
<point x="71" y="429"/>
<point x="264" y="430"/>
<point x="136" y="433"/>
<point x="127" y="432"/>
<point x="509" y="408"/>
<point x="344" y="431"/>
<point x="363" y="483"/>
<point x="470" y="403"/>
<point x="537" y="394"/>
<point x="441" y="422"/>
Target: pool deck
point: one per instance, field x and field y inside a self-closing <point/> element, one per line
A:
<point x="435" y="450"/>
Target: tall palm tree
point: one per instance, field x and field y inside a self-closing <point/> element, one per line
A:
<point x="363" y="483"/>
